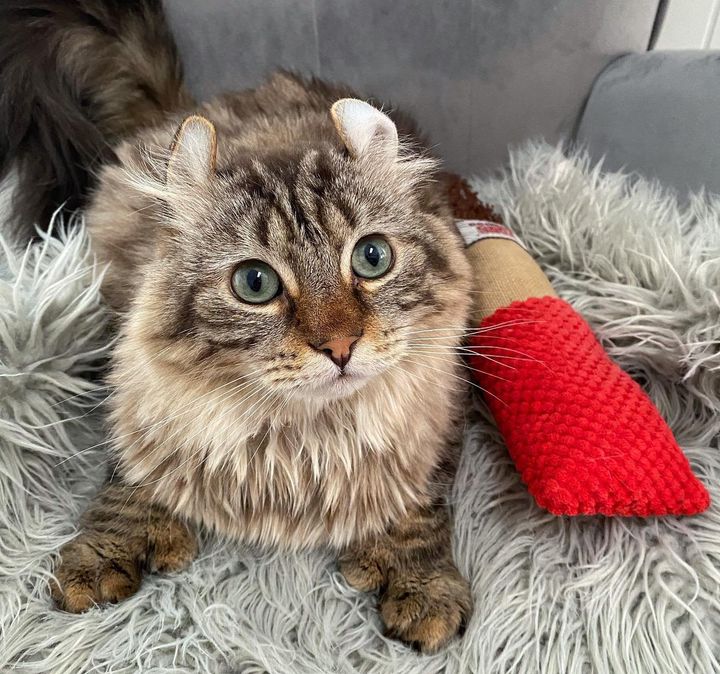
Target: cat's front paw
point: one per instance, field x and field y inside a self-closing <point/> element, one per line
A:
<point x="102" y="568"/>
<point x="426" y="608"/>
<point x="94" y="571"/>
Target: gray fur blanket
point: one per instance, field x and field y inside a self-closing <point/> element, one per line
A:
<point x="553" y="595"/>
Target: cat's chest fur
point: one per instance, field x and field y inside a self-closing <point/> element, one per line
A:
<point x="289" y="472"/>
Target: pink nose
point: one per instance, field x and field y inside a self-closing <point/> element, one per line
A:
<point x="339" y="349"/>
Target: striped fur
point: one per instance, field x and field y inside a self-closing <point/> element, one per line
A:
<point x="123" y="536"/>
<point x="223" y="414"/>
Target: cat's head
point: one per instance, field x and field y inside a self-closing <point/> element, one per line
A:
<point x="311" y="270"/>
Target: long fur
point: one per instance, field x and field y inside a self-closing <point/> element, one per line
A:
<point x="554" y="595"/>
<point x="226" y="414"/>
<point x="265" y="460"/>
<point x="75" y="78"/>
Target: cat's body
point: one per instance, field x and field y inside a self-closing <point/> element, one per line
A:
<point x="253" y="465"/>
<point x="325" y="414"/>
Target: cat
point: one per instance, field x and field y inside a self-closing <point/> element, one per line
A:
<point x="289" y="293"/>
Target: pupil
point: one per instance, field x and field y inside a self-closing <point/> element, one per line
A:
<point x="254" y="280"/>
<point x="372" y="254"/>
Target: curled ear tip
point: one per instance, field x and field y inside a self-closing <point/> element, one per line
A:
<point x="351" y="102"/>
<point x="193" y="149"/>
<point x="343" y="101"/>
<point x="362" y="127"/>
<point x="198" y="121"/>
<point x="338" y="107"/>
<point x="194" y="126"/>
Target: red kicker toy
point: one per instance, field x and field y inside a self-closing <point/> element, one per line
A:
<point x="584" y="436"/>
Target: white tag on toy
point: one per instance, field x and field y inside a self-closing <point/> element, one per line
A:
<point x="476" y="230"/>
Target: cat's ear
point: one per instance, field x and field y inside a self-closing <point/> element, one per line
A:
<point x="193" y="152"/>
<point x="364" y="129"/>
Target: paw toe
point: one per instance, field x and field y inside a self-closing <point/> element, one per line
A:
<point x="175" y="549"/>
<point x="365" y="576"/>
<point x="85" y="578"/>
<point x="72" y="597"/>
<point x="426" y="613"/>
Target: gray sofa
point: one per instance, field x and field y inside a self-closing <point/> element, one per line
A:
<point x="553" y="595"/>
<point x="658" y="113"/>
<point x="482" y="74"/>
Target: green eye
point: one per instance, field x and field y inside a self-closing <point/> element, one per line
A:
<point x="371" y="257"/>
<point x="255" y="282"/>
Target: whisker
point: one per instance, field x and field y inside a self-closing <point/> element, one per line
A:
<point x="243" y="385"/>
<point x="465" y="365"/>
<point x="492" y="348"/>
<point x="522" y="356"/>
<point x="131" y="370"/>
<point x="476" y="349"/>
<point x="466" y="350"/>
<point x="245" y="398"/>
<point x="238" y="384"/>
<point x="463" y="336"/>
<point x="460" y="352"/>
<point x="467" y="381"/>
<point x="149" y="427"/>
<point x="513" y="322"/>
<point x="192" y="456"/>
<point x="82" y="394"/>
<point x="266" y="396"/>
<point x="415" y="374"/>
<point x="284" y="404"/>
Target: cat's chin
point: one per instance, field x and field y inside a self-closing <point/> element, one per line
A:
<point x="334" y="388"/>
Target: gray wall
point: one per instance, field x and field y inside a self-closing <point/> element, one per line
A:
<point x="478" y="74"/>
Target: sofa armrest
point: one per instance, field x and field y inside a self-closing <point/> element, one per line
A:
<point x="658" y="113"/>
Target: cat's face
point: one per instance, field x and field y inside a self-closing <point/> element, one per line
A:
<point x="311" y="272"/>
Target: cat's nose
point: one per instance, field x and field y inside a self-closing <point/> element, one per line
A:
<point x="338" y="349"/>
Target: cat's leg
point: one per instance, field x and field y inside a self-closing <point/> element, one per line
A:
<point x="122" y="535"/>
<point x="424" y="600"/>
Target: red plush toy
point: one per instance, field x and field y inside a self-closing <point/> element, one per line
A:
<point x="584" y="436"/>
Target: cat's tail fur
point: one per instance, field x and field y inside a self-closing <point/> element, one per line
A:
<point x="76" y="76"/>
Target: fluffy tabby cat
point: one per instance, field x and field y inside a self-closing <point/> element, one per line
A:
<point x="285" y="273"/>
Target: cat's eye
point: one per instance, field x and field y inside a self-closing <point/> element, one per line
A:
<point x="255" y="282"/>
<point x="371" y="257"/>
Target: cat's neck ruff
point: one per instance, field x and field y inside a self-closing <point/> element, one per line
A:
<point x="235" y="457"/>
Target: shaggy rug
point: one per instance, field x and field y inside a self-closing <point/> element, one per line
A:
<point x="553" y="595"/>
